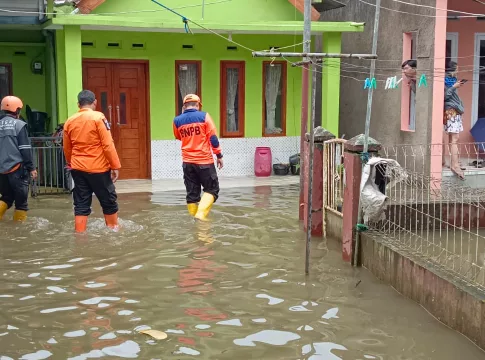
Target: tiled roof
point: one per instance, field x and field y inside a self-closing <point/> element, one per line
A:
<point x="86" y="6"/>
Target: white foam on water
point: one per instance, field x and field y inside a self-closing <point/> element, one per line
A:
<point x="270" y="337"/>
<point x="262" y="275"/>
<point x="27" y="297"/>
<point x="11" y="327"/>
<point x="104" y="267"/>
<point x="136" y="267"/>
<point x="75" y="260"/>
<point x="34" y="275"/>
<point x="279" y="281"/>
<point x="130" y="301"/>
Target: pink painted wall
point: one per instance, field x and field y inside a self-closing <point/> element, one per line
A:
<point x="438" y="89"/>
<point x="466" y="29"/>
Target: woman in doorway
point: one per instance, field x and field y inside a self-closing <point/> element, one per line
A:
<point x="453" y="112"/>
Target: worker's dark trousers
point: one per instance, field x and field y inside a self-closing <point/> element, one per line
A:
<point x="14" y="188"/>
<point x="85" y="184"/>
<point x="197" y="176"/>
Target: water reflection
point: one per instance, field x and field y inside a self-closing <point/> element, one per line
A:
<point x="231" y="288"/>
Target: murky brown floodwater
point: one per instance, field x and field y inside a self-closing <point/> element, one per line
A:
<point x="231" y="289"/>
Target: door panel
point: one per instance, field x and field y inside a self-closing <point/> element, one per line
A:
<point x="123" y="87"/>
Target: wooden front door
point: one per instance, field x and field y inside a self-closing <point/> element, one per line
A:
<point x="121" y="90"/>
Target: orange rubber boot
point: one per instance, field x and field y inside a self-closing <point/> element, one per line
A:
<point x="112" y="221"/>
<point x="81" y="223"/>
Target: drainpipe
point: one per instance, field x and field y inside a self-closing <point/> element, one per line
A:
<point x="42" y="16"/>
<point x="51" y="50"/>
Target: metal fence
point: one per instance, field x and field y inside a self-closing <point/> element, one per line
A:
<point x="434" y="218"/>
<point x="333" y="176"/>
<point x="53" y="177"/>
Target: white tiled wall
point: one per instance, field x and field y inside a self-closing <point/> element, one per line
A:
<point x="238" y="155"/>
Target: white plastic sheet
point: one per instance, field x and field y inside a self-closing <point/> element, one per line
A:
<point x="373" y="202"/>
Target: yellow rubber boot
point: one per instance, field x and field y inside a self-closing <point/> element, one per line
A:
<point x="205" y="206"/>
<point x="3" y="209"/>
<point x="192" y="208"/>
<point x="20" y="215"/>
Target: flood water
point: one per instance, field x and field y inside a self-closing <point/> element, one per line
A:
<point x="233" y="288"/>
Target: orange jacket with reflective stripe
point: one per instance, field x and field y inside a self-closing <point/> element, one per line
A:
<point x="88" y="144"/>
<point x="198" y="134"/>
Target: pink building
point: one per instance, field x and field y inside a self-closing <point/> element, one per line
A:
<point x="430" y="31"/>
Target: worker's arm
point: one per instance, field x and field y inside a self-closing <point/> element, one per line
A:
<point x="175" y="131"/>
<point x="212" y="134"/>
<point x="66" y="143"/>
<point x="25" y="149"/>
<point x="108" y="144"/>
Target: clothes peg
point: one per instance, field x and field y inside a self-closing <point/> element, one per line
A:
<point x="391" y="82"/>
<point x="370" y="83"/>
<point x="423" y="81"/>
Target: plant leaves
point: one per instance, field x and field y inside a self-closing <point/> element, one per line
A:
<point x="159" y="335"/>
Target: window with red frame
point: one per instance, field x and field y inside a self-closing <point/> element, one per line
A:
<point x="274" y="98"/>
<point x="187" y="81"/>
<point x="232" y="98"/>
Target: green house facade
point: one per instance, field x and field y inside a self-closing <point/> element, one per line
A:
<point x="141" y="59"/>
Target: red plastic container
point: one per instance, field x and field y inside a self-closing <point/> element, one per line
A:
<point x="262" y="161"/>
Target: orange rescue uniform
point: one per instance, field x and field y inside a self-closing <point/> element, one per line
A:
<point x="198" y="134"/>
<point x="88" y="144"/>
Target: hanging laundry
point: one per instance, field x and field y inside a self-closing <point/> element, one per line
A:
<point x="423" y="81"/>
<point x="370" y="83"/>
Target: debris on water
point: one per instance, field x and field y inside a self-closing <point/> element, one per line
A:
<point x="159" y="335"/>
<point x="358" y="283"/>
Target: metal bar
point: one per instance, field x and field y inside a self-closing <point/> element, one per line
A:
<point x="310" y="174"/>
<point x="368" y="117"/>
<point x="307" y="35"/>
<point x="338" y="213"/>
<point x="307" y="54"/>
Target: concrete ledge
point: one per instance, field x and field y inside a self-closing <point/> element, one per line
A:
<point x="451" y="301"/>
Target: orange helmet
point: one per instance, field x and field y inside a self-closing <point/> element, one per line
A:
<point x="192" y="98"/>
<point x="12" y="104"/>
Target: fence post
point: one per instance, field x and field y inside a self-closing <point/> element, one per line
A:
<point x="353" y="174"/>
<point x="321" y="136"/>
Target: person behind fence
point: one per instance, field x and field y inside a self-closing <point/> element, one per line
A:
<point x="91" y="155"/>
<point x="197" y="132"/>
<point x="453" y="115"/>
<point x="16" y="164"/>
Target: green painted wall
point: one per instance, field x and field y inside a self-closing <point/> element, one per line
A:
<point x="239" y="11"/>
<point x="31" y="88"/>
<point x="162" y="49"/>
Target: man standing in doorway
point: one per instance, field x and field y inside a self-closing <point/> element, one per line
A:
<point x="16" y="165"/>
<point x="90" y="153"/>
<point x="197" y="132"/>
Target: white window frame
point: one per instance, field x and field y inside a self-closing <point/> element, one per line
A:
<point x="476" y="77"/>
<point x="453" y="37"/>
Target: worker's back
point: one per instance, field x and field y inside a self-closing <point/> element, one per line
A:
<point x="10" y="154"/>
<point x="196" y="131"/>
<point x="87" y="138"/>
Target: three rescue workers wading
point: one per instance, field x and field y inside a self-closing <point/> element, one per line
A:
<point x="91" y="155"/>
<point x="16" y="165"/>
<point x="198" y="134"/>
